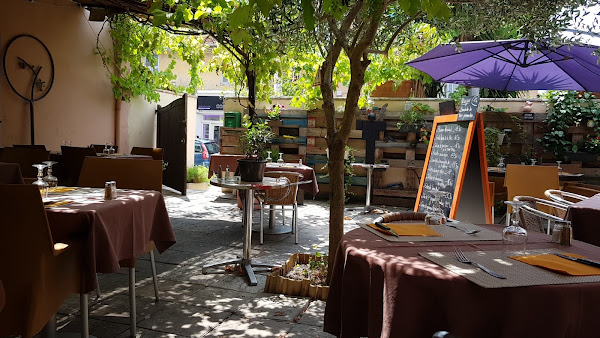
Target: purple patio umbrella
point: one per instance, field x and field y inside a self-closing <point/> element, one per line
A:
<point x="512" y="65"/>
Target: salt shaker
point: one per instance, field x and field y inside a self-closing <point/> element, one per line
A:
<point x="113" y="189"/>
<point x="566" y="234"/>
<point x="108" y="190"/>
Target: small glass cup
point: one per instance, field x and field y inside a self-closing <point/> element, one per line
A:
<point x="111" y="150"/>
<point x="43" y="186"/>
<point x="49" y="178"/>
<point x="514" y="237"/>
<point x="436" y="217"/>
<point x="501" y="163"/>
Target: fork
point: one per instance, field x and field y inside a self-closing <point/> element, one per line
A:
<point x="467" y="231"/>
<point x="460" y="256"/>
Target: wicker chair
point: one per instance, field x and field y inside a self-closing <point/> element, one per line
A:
<point x="564" y="197"/>
<point x="536" y="220"/>
<point x="282" y="197"/>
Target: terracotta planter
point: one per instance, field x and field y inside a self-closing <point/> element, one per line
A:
<point x="278" y="283"/>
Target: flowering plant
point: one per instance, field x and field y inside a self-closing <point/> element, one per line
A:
<point x="590" y="145"/>
<point x="274" y="112"/>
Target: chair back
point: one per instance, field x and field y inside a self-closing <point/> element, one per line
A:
<point x="73" y="161"/>
<point x="128" y="173"/>
<point x="283" y="196"/>
<point x="530" y="180"/>
<point x="156" y="153"/>
<point x="36" y="282"/>
<point x="10" y="173"/>
<point x="30" y="146"/>
<point x="99" y="148"/>
<point x="25" y="157"/>
<point x="533" y="218"/>
<point x="564" y="197"/>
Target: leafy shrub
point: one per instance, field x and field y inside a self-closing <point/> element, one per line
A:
<point x="197" y="174"/>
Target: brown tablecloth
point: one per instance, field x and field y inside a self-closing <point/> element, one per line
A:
<point x="113" y="230"/>
<point x="308" y="175"/>
<point x="10" y="173"/>
<point x="585" y="218"/>
<point x="231" y="161"/>
<point x="383" y="289"/>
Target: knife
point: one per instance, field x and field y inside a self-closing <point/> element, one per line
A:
<point x="386" y="228"/>
<point x="580" y="260"/>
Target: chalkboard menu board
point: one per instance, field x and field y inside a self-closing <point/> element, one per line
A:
<point x="444" y="165"/>
<point x="456" y="167"/>
<point x="468" y="108"/>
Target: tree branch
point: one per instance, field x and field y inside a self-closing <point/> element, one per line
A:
<point x="395" y="35"/>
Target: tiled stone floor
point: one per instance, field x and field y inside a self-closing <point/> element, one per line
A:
<point x="207" y="227"/>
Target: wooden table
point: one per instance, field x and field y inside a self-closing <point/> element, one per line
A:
<point x="563" y="176"/>
<point x="385" y="289"/>
<point x="248" y="189"/>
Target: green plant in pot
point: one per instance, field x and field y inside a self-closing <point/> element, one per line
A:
<point x="414" y="119"/>
<point x="253" y="142"/>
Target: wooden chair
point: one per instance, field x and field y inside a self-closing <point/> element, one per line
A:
<point x="10" y="173"/>
<point x="530" y="180"/>
<point x="129" y="174"/>
<point x="30" y="146"/>
<point x="564" y="197"/>
<point x="99" y="148"/>
<point x="25" y="157"/>
<point x="281" y="197"/>
<point x="534" y="219"/>
<point x="156" y="153"/>
<point x="38" y="274"/>
<point x="72" y="158"/>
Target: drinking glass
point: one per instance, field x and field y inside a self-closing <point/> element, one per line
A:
<point x="533" y="161"/>
<point x="111" y="150"/>
<point x="501" y="163"/>
<point x="514" y="237"/>
<point x="269" y="159"/>
<point x="49" y="178"/>
<point x="559" y="167"/>
<point x="437" y="216"/>
<point x="105" y="151"/>
<point x="280" y="160"/>
<point x="43" y="186"/>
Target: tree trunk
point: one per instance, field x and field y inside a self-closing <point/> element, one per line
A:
<point x="336" y="199"/>
<point x="251" y="78"/>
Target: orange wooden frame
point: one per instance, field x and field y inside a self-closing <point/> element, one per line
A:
<point x="475" y="125"/>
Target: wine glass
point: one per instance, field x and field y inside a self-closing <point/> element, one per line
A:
<point x="533" y="161"/>
<point x="437" y="216"/>
<point x="105" y="151"/>
<point x="49" y="178"/>
<point x="111" y="150"/>
<point x="501" y="163"/>
<point x="559" y="167"/>
<point x="280" y="160"/>
<point x="43" y="186"/>
<point x="514" y="237"/>
<point x="269" y="159"/>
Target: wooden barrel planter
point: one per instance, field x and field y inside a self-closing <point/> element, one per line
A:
<point x="278" y="283"/>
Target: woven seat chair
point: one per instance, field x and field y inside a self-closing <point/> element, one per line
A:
<point x="281" y="197"/>
<point x="564" y="197"/>
<point x="401" y="216"/>
<point x="536" y="220"/>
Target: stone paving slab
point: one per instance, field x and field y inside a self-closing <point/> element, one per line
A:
<point x="207" y="225"/>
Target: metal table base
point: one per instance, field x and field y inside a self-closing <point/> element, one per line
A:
<point x="245" y="261"/>
<point x="368" y="208"/>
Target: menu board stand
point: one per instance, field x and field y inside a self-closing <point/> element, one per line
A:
<point x="456" y="164"/>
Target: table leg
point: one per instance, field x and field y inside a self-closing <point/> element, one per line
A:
<point x="271" y="216"/>
<point x="369" y="186"/>
<point x="246" y="261"/>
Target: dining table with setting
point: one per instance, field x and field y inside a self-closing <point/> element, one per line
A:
<point x="584" y="216"/>
<point x="112" y="230"/>
<point x="413" y="286"/>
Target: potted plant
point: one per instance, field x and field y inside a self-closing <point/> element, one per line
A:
<point x="451" y="107"/>
<point x="197" y="177"/>
<point x="253" y="142"/>
<point x="413" y="120"/>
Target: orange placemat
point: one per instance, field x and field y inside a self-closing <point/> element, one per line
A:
<point x="56" y="204"/>
<point x="560" y="265"/>
<point x="408" y="229"/>
<point x="60" y="189"/>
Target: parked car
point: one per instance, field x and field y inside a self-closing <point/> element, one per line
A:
<point x="203" y="149"/>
